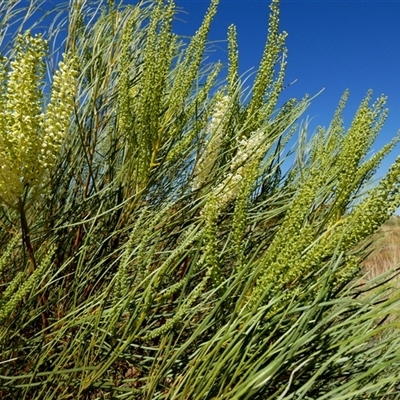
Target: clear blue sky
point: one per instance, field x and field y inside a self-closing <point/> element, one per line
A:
<point x="335" y="45"/>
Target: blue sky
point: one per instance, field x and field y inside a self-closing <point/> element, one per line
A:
<point x="336" y="45"/>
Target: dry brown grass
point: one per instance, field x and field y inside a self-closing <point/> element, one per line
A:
<point x="385" y="258"/>
<point x="386" y="254"/>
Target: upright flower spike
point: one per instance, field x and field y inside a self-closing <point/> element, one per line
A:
<point x="21" y="112"/>
<point x="215" y="130"/>
<point x="233" y="67"/>
<point x="265" y="81"/>
<point x="3" y="87"/>
<point x="58" y="113"/>
<point x="188" y="70"/>
<point x="30" y="139"/>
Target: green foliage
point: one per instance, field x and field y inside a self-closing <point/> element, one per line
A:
<point x="171" y="255"/>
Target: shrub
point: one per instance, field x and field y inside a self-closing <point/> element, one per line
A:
<point x="168" y="254"/>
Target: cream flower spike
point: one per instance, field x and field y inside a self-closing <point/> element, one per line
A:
<point x="30" y="139"/>
<point x="215" y="131"/>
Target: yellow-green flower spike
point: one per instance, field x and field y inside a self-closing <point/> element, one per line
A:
<point x="30" y="140"/>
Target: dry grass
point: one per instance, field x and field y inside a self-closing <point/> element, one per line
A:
<point x="385" y="258"/>
<point x="386" y="254"/>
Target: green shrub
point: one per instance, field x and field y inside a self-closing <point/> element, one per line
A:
<point x="165" y="252"/>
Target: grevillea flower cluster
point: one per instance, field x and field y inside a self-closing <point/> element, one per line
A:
<point x="30" y="137"/>
<point x="249" y="151"/>
<point x="206" y="163"/>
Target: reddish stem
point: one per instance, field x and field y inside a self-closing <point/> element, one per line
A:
<point x="31" y="254"/>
